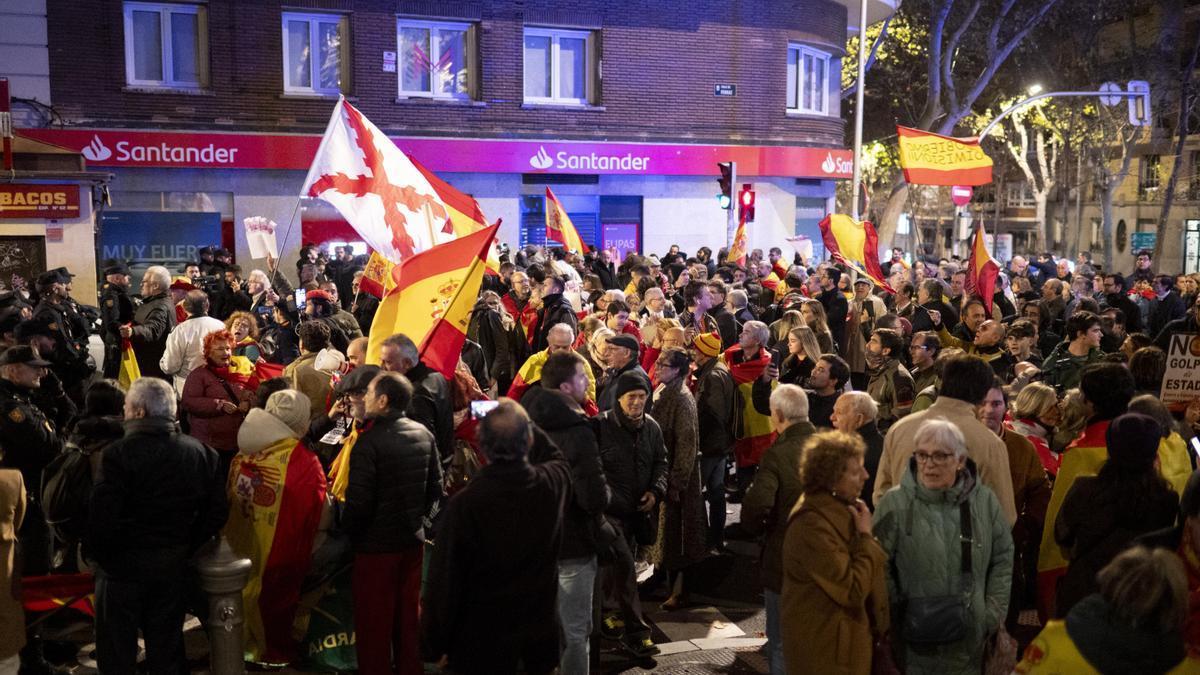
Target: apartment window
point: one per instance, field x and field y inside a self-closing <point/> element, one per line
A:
<point x="559" y="66"/>
<point x="807" y="80"/>
<point x="315" y="53"/>
<point x="1148" y="179"/>
<point x="166" y="45"/>
<point x="434" y="59"/>
<point x="1019" y="196"/>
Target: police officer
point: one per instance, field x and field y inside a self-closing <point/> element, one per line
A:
<point x="116" y="309"/>
<point x="49" y="397"/>
<point x="60" y="314"/>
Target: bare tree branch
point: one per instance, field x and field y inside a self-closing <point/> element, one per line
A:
<point x="949" y="53"/>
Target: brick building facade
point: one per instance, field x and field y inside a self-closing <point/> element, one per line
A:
<point x="577" y="76"/>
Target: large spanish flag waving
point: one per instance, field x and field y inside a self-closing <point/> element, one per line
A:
<point x="982" y="270"/>
<point x="432" y="300"/>
<point x="854" y="244"/>
<point x="933" y="159"/>
<point x="559" y="227"/>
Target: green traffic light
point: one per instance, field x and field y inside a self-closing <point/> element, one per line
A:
<point x="724" y="201"/>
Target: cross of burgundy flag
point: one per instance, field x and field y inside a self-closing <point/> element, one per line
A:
<point x="387" y="200"/>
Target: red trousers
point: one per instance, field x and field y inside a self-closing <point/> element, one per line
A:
<point x="387" y="595"/>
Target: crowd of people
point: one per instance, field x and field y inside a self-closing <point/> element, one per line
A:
<point x="936" y="478"/>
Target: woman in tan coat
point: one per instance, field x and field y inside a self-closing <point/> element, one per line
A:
<point x="834" y="590"/>
<point x="12" y="616"/>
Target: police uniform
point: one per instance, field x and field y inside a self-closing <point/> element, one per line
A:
<point x="27" y="443"/>
<point x="116" y="309"/>
<point x="62" y="321"/>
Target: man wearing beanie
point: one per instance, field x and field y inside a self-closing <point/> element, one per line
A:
<point x="635" y="464"/>
<point x="276" y="496"/>
<point x="490" y="602"/>
<point x="1103" y="514"/>
<point x="713" y="388"/>
<point x="1107" y="389"/>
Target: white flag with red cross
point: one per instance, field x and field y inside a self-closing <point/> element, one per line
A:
<point x="375" y="187"/>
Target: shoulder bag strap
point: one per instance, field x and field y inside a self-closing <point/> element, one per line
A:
<point x="967" y="541"/>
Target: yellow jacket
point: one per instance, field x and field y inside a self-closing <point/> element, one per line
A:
<point x="1053" y="652"/>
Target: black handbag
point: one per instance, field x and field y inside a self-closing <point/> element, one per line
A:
<point x="645" y="526"/>
<point x="941" y="619"/>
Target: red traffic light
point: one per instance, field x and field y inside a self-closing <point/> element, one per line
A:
<point x="747" y="195"/>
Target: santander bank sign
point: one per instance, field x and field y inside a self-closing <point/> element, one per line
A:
<point x="135" y="148"/>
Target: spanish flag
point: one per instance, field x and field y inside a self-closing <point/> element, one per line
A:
<point x="466" y="217"/>
<point x="854" y="244"/>
<point x="432" y="300"/>
<point x="559" y="227"/>
<point x="129" y="369"/>
<point x="737" y="251"/>
<point x="756" y="434"/>
<point x="933" y="159"/>
<point x="276" y="497"/>
<point x="530" y="375"/>
<point x="377" y="275"/>
<point x="982" y="270"/>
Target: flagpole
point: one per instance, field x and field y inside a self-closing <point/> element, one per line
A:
<point x="858" y="109"/>
<point x="337" y="111"/>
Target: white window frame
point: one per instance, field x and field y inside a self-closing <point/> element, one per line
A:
<point x="314" y="19"/>
<point x="589" y="75"/>
<point x="825" y="58"/>
<point x="165" y="11"/>
<point x="466" y="28"/>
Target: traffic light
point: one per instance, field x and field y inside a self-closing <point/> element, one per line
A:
<point x="725" y="197"/>
<point x="746" y="197"/>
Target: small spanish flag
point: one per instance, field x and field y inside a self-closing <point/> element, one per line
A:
<point x="129" y="370"/>
<point x="432" y="300"/>
<point x="854" y="244"/>
<point x="377" y="275"/>
<point x="933" y="159"/>
<point x="559" y="227"/>
<point x="982" y="270"/>
<point x="737" y="251"/>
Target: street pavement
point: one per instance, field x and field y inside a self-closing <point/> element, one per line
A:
<point x="721" y="630"/>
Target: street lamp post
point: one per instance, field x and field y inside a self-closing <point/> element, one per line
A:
<point x="858" y="108"/>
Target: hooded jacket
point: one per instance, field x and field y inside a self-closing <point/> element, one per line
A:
<point x="585" y="531"/>
<point x="920" y="529"/>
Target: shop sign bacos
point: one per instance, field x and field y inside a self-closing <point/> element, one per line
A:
<point x="31" y="200"/>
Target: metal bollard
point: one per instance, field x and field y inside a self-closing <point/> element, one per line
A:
<point x="222" y="577"/>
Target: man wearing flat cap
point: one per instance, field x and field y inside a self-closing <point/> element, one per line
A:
<point x="66" y="325"/>
<point x="623" y="352"/>
<point x="116" y="308"/>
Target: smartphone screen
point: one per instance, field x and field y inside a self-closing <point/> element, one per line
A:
<point x="480" y="409"/>
<point x="301" y="294"/>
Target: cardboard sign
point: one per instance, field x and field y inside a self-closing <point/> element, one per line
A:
<point x="1181" y="381"/>
<point x="19" y="200"/>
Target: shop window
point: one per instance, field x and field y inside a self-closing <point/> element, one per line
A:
<point x="434" y="59"/>
<point x="315" y="53"/>
<point x="560" y="66"/>
<point x="166" y="45"/>
<point x="807" y="80"/>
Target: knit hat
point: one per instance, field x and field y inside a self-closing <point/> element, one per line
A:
<point x="631" y="380"/>
<point x="292" y="408"/>
<point x="708" y="344"/>
<point x="1133" y="440"/>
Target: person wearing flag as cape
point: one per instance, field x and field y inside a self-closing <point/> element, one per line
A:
<point x="749" y="363"/>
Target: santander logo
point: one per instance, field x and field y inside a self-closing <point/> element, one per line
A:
<point x="828" y="166"/>
<point x="837" y="165"/>
<point x="541" y="160"/>
<point x="96" y="151"/>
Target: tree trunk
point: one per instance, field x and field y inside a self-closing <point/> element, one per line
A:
<point x="1040" y="198"/>
<point x="1106" y="210"/>
<point x="890" y="217"/>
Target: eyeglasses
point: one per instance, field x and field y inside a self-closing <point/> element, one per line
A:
<point x="935" y="458"/>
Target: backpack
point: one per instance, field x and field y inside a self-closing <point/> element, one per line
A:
<point x="66" y="491"/>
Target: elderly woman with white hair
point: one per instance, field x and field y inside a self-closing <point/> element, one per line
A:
<point x="951" y="556"/>
<point x="855" y="412"/>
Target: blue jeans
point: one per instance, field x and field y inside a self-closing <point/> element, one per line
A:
<point x="576" y="581"/>
<point x="774" y="633"/>
<point x="712" y="474"/>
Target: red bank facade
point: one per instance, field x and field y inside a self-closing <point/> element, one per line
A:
<point x="207" y="113"/>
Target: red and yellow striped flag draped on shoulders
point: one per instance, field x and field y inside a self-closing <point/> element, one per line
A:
<point x="756" y="434"/>
<point x="276" y="498"/>
<point x="432" y="300"/>
<point x="530" y="375"/>
<point x="559" y="226"/>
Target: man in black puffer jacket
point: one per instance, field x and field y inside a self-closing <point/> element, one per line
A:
<point x="395" y="483"/>
<point x="635" y="463"/>
<point x="160" y="497"/>
<point x="555" y="309"/>
<point x="555" y="408"/>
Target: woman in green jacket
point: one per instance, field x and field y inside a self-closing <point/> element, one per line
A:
<point x="921" y="526"/>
